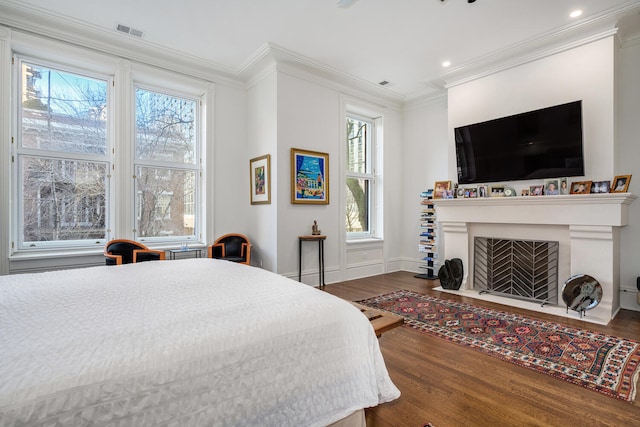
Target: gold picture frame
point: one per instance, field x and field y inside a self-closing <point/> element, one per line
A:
<point x="620" y="184"/>
<point x="309" y="177"/>
<point x="439" y="189"/>
<point x="260" y="180"/>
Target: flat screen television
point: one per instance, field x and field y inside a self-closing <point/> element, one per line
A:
<point x="545" y="143"/>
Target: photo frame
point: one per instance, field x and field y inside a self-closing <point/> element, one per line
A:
<point x="536" y="190"/>
<point x="497" y="191"/>
<point x="600" y="187"/>
<point x="260" y="180"/>
<point x="552" y="187"/>
<point x="620" y="184"/>
<point x="439" y="189"/>
<point x="309" y="177"/>
<point x="524" y="192"/>
<point x="581" y="187"/>
<point x="483" y="191"/>
<point x="564" y="185"/>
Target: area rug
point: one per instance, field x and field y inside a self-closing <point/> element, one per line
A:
<point x="599" y="362"/>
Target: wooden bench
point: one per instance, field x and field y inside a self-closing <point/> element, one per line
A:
<point x="380" y="320"/>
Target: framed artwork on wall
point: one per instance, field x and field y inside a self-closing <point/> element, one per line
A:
<point x="309" y="177"/>
<point x="260" y="180"/>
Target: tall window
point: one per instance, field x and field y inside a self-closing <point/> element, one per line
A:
<point x="360" y="177"/>
<point x="166" y="165"/>
<point x="62" y="157"/>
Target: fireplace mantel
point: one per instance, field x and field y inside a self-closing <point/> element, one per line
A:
<point x="587" y="225"/>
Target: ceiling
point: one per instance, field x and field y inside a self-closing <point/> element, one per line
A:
<point x="403" y="42"/>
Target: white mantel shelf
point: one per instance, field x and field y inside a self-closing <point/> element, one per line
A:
<point x="575" y="209"/>
<point x="587" y="226"/>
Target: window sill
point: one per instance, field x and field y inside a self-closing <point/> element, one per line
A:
<point x="364" y="241"/>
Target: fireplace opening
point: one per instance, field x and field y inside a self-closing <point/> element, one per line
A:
<point x="523" y="269"/>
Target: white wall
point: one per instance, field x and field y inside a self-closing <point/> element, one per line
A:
<point x="426" y="145"/>
<point x="584" y="73"/>
<point x="628" y="162"/>
<point x="263" y="139"/>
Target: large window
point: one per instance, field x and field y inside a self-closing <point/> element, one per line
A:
<point x="166" y="166"/>
<point x="61" y="157"/>
<point x="360" y="177"/>
<point x="80" y="179"/>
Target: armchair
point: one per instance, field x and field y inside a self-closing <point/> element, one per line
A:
<point x="123" y="251"/>
<point x="231" y="247"/>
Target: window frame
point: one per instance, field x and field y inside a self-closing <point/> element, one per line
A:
<point x="18" y="152"/>
<point x="370" y="176"/>
<point x="196" y="166"/>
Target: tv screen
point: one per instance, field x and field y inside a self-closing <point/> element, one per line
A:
<point x="545" y="143"/>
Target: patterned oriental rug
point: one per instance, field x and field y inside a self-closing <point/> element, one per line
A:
<point x="599" y="362"/>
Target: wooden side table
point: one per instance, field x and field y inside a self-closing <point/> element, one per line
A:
<point x="311" y="238"/>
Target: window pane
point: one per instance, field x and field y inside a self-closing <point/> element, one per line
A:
<point x="165" y="202"/>
<point x="62" y="111"/>
<point x="357" y="205"/>
<point x="62" y="199"/>
<point x="357" y="134"/>
<point x="165" y="128"/>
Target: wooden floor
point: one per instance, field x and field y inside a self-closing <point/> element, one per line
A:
<point x="449" y="385"/>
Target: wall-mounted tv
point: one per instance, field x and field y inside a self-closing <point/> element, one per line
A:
<point x="545" y="143"/>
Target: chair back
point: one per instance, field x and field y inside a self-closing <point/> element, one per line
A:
<point x="233" y="244"/>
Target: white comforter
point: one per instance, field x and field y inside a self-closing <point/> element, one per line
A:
<point x="184" y="343"/>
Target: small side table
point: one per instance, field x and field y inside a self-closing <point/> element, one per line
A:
<point x="320" y="239"/>
<point x="196" y="251"/>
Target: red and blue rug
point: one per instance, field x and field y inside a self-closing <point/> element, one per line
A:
<point x="599" y="362"/>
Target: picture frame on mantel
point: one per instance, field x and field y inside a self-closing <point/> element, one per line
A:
<point x="439" y="189"/>
<point x="621" y="184"/>
<point x="260" y="180"/>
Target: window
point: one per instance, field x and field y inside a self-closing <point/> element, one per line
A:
<point x="166" y="165"/>
<point x="62" y="161"/>
<point x="80" y="178"/>
<point x="360" y="177"/>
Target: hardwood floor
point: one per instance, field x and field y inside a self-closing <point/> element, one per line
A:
<point x="449" y="385"/>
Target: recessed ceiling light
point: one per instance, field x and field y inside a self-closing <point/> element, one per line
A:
<point x="446" y="64"/>
<point x="575" y="13"/>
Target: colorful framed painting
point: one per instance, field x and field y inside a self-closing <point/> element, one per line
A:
<point x="621" y="184"/>
<point x="260" y="179"/>
<point x="309" y="177"/>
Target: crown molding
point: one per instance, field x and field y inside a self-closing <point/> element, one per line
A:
<point x="34" y="21"/>
<point x="553" y="42"/>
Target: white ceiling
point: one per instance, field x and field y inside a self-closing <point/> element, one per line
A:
<point x="401" y="41"/>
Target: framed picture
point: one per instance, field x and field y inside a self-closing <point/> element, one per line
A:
<point x="448" y="194"/>
<point x="552" y="187"/>
<point x="536" y="190"/>
<point x="600" y="186"/>
<point x="564" y="186"/>
<point x="621" y="184"/>
<point x="524" y="192"/>
<point x="581" y="187"/>
<point x="471" y="192"/>
<point x="439" y="189"/>
<point x="497" y="191"/>
<point x="309" y="177"/>
<point x="260" y="179"/>
<point x="483" y="191"/>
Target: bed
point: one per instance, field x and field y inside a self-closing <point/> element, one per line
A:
<point x="193" y="342"/>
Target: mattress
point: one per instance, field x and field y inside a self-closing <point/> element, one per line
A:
<point x="190" y="342"/>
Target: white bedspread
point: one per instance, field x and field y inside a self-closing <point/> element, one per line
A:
<point x="194" y="342"/>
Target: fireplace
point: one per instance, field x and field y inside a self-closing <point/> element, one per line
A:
<point x="524" y="269"/>
<point x="586" y="227"/>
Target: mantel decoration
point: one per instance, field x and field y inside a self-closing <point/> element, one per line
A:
<point x="440" y="189"/>
<point x="260" y="179"/>
<point x="309" y="177"/>
<point x="621" y="184"/>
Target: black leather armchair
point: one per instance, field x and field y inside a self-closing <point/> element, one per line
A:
<point x="231" y="247"/>
<point x="123" y="251"/>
